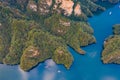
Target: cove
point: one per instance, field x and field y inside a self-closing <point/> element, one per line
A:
<point x="85" y="67"/>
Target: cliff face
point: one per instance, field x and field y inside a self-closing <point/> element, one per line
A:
<point x="32" y="31"/>
<point x="49" y="6"/>
<point x="77" y="10"/>
<point x="45" y="7"/>
<point x="66" y="8"/>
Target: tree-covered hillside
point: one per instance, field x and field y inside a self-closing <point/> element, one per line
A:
<point x="111" y="52"/>
<point x="32" y="31"/>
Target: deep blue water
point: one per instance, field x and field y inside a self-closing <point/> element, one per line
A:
<point x="85" y="67"/>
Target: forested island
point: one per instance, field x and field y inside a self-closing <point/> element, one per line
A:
<point x="111" y="52"/>
<point x="32" y="31"/>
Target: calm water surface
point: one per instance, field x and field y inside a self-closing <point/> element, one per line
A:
<point x="87" y="67"/>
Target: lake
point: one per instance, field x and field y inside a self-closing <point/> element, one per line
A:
<point x="85" y="67"/>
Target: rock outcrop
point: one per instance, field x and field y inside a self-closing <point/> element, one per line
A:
<point x="32" y="6"/>
<point x="44" y="6"/>
<point x="67" y="6"/>
<point x="77" y="10"/>
<point x="61" y="6"/>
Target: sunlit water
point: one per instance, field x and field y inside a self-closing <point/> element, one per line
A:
<point x="85" y="67"/>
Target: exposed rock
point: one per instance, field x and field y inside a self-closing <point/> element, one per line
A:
<point x="44" y="6"/>
<point x="58" y="1"/>
<point x="64" y="5"/>
<point x="34" y="52"/>
<point x="32" y="6"/>
<point x="67" y="6"/>
<point x="77" y="10"/>
<point x="64" y="23"/>
<point x="55" y="7"/>
<point x="49" y="2"/>
<point x="0" y="24"/>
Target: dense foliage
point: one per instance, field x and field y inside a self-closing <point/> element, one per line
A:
<point x="111" y="52"/>
<point x="75" y="34"/>
<point x="116" y="29"/>
<point x="31" y="32"/>
<point x="41" y="46"/>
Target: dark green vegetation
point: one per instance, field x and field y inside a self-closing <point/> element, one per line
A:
<point x="41" y="46"/>
<point x="30" y="35"/>
<point x="111" y="52"/>
<point x="75" y="34"/>
<point x="116" y="29"/>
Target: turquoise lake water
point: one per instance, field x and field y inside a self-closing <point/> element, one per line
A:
<point x="85" y="67"/>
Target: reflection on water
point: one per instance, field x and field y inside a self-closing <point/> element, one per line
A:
<point x="24" y="75"/>
<point x="50" y="70"/>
